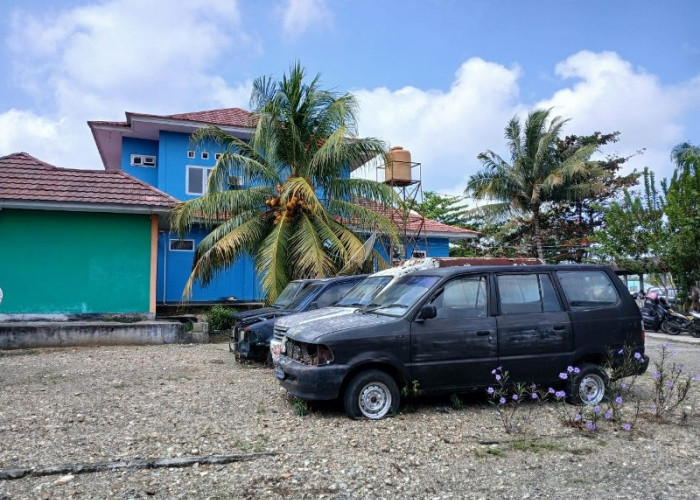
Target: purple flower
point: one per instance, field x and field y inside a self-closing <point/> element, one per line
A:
<point x="667" y="345"/>
<point x="637" y="355"/>
<point x="655" y="375"/>
<point x="696" y="377"/>
<point x="493" y="372"/>
<point x="590" y="426"/>
<point x="576" y="369"/>
<point x="596" y="409"/>
<point x="498" y="377"/>
<point x="534" y="395"/>
<point x="618" y="400"/>
<point x="502" y="400"/>
<point x="550" y="390"/>
<point x="652" y="406"/>
<point x="608" y="415"/>
<point x="621" y="351"/>
<point x="515" y="397"/>
<point x="669" y="383"/>
<point x="490" y="390"/>
<point x="563" y="375"/>
<point x="569" y="369"/>
<point x="560" y="394"/>
<point x="626" y="427"/>
<point x="674" y="352"/>
<point x="577" y="418"/>
<point x="499" y="368"/>
<point x="623" y="385"/>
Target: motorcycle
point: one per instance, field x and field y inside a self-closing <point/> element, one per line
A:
<point x="677" y="322"/>
<point x="655" y="311"/>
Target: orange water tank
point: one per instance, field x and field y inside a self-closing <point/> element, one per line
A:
<point x="398" y="171"/>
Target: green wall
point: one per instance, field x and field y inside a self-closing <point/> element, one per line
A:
<point x="74" y="262"/>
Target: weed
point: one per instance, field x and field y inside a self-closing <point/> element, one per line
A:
<point x="671" y="384"/>
<point x="456" y="402"/>
<point x="220" y="317"/>
<point x="536" y="446"/>
<point x="301" y="407"/>
<point x="413" y="391"/>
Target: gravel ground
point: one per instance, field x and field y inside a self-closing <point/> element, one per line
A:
<point x="105" y="404"/>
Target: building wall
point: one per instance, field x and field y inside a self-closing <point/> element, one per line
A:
<point x="174" y="267"/>
<point x="74" y="262"/>
<point x="131" y="146"/>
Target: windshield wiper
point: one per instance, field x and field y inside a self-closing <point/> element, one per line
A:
<point x="376" y="307"/>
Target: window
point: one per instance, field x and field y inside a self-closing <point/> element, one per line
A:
<point x="462" y="298"/>
<point x="205" y="155"/>
<point x="234" y="182"/>
<point x="190" y="154"/>
<point x="527" y="293"/>
<point x="418" y="254"/>
<point x="182" y="245"/>
<point x="143" y="161"/>
<point x="217" y="156"/>
<point x="197" y="179"/>
<point x="588" y="289"/>
<point x="333" y="293"/>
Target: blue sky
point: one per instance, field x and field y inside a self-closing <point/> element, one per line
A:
<point x="438" y="77"/>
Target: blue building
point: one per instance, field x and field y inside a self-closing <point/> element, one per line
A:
<point x="157" y="150"/>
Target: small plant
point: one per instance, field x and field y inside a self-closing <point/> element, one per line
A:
<point x="672" y="384"/>
<point x="508" y="399"/>
<point x="456" y="402"/>
<point x="220" y="317"/>
<point x="301" y="407"/>
<point x="413" y="391"/>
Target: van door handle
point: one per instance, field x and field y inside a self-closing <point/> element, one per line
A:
<point x="483" y="333"/>
<point x="559" y="328"/>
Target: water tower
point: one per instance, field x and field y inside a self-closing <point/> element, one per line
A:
<point x="404" y="176"/>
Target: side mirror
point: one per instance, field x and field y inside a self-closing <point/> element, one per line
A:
<point x="426" y="312"/>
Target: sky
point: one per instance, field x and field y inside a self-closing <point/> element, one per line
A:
<point x="440" y="78"/>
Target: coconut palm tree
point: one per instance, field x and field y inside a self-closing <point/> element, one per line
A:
<point x="298" y="203"/>
<point x="523" y="187"/>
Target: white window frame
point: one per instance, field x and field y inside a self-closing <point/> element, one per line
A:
<point x="205" y="155"/>
<point x="190" y="154"/>
<point x="170" y="245"/>
<point x="204" y="179"/>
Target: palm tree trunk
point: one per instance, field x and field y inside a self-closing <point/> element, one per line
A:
<point x="538" y="234"/>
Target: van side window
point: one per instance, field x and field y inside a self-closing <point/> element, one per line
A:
<point x="462" y="298"/>
<point x="333" y="293"/>
<point x="588" y="289"/>
<point x="527" y="293"/>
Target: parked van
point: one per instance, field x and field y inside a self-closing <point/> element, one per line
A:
<point x="446" y="329"/>
<point x="359" y="296"/>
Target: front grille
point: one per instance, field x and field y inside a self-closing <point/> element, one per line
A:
<point x="279" y="332"/>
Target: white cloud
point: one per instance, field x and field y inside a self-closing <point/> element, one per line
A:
<point x="98" y="61"/>
<point x="446" y="130"/>
<point x="300" y="15"/>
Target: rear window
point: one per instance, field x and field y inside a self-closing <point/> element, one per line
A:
<point x="588" y="289"/>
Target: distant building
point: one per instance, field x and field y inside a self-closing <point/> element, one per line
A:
<point x="157" y="150"/>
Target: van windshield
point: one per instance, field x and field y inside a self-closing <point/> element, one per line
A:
<point x="363" y="293"/>
<point x="401" y="296"/>
<point x="290" y="291"/>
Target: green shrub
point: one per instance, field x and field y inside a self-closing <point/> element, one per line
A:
<point x="220" y="317"/>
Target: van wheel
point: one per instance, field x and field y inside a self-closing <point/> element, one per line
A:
<point x="588" y="386"/>
<point x="372" y="394"/>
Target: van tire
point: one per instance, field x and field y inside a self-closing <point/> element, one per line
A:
<point x="588" y="386"/>
<point x="371" y="394"/>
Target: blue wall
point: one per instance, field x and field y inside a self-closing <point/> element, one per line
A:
<point x="131" y="146"/>
<point x="174" y="267"/>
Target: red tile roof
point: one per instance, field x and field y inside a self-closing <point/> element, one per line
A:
<point x="24" y="178"/>
<point x="415" y="224"/>
<point x="230" y="117"/>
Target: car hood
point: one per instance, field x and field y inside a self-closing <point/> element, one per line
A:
<point x="262" y="311"/>
<point x="314" y="331"/>
<point x="314" y="315"/>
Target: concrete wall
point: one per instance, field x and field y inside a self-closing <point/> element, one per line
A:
<point x="49" y="334"/>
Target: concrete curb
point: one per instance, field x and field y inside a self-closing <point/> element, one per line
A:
<point x="682" y="338"/>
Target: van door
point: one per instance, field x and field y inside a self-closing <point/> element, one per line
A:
<point x="456" y="349"/>
<point x="535" y="341"/>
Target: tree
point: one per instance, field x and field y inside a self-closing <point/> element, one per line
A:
<point x="633" y="236"/>
<point x="525" y="187"/>
<point x="683" y="214"/>
<point x="450" y="210"/>
<point x="292" y="215"/>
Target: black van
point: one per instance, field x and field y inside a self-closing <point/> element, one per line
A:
<point x="446" y="329"/>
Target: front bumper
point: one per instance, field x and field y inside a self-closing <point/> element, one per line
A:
<point x="310" y="382"/>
